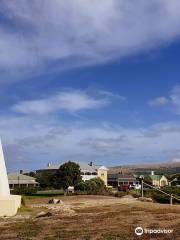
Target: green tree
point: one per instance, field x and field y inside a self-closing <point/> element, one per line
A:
<point x="69" y="174"/>
<point x="46" y="180"/>
<point x="92" y="186"/>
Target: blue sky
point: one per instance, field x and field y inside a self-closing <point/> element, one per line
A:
<point x="89" y="82"/>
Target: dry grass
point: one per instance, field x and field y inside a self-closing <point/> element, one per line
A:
<point x="96" y="218"/>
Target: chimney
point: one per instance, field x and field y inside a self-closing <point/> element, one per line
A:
<point x="21" y="171"/>
<point x="152" y="172"/>
<point x="49" y="164"/>
<point x="91" y="163"/>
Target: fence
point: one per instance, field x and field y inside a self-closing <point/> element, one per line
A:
<point x="171" y="196"/>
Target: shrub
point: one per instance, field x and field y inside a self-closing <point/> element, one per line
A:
<point x="135" y="193"/>
<point x="92" y="186"/>
<point x="81" y="186"/>
<point x="120" y="194"/>
<point x="24" y="191"/>
<point x="160" y="197"/>
<point x="23" y="202"/>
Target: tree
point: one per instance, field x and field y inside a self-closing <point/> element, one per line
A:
<point x="92" y="186"/>
<point x="69" y="174"/>
<point x="45" y="180"/>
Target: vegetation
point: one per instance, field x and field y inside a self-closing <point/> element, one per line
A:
<point x="95" y="217"/>
<point x="162" y="198"/>
<point x="24" y="191"/>
<point x="45" y="180"/>
<point x="69" y="174"/>
<point x="92" y="186"/>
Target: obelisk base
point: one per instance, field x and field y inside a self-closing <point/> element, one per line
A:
<point x="9" y="205"/>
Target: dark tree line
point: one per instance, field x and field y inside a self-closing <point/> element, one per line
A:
<point x="69" y="174"/>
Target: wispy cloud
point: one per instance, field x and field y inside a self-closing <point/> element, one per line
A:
<point x="175" y="98"/>
<point x="34" y="141"/>
<point x="158" y="102"/>
<point x="83" y="32"/>
<point x="70" y="101"/>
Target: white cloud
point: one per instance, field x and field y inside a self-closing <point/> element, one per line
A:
<point x="71" y="101"/>
<point x="158" y="102"/>
<point x="175" y="160"/>
<point x="81" y="32"/>
<point x="31" y="142"/>
<point x="175" y="98"/>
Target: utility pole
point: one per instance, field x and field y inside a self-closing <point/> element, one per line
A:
<point x="142" y="192"/>
<point x="171" y="202"/>
<point x="18" y="182"/>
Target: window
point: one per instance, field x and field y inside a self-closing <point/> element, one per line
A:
<point x="82" y="173"/>
<point x="87" y="173"/>
<point x="94" y="173"/>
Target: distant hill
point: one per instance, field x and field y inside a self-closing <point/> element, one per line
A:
<point x="169" y="168"/>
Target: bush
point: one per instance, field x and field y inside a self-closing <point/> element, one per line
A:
<point x="82" y="186"/>
<point x="135" y="193"/>
<point x="160" y="197"/>
<point x="23" y="202"/>
<point x="120" y="194"/>
<point x="92" y="186"/>
<point x="24" y="191"/>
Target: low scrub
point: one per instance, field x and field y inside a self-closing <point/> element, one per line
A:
<point x="135" y="193"/>
<point x="120" y="194"/>
<point x="160" y="197"/>
<point x="92" y="186"/>
<point x="24" y="191"/>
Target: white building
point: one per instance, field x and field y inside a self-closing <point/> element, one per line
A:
<point x="88" y="170"/>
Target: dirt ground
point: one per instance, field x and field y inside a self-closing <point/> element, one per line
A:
<point x="91" y="217"/>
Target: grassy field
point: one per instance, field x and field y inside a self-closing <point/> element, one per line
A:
<point x="91" y="217"/>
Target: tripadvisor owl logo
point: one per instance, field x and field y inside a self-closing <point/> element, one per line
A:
<point x="139" y="231"/>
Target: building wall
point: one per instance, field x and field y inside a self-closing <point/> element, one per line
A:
<point x="163" y="181"/>
<point x="156" y="183"/>
<point x="160" y="183"/>
<point x="103" y="175"/>
<point x="87" y="175"/>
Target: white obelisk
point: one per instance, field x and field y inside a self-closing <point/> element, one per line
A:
<point x="9" y="204"/>
<point x="4" y="185"/>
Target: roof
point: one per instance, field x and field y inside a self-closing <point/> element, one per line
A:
<point x="103" y="168"/>
<point x="113" y="176"/>
<point x="84" y="166"/>
<point x="15" y="178"/>
<point x="118" y="176"/>
<point x="126" y="177"/>
<point x="156" y="177"/>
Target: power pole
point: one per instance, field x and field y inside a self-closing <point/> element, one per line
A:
<point x="142" y="192"/>
<point x="171" y="202"/>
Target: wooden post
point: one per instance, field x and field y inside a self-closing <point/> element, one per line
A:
<point x="142" y="193"/>
<point x="171" y="202"/>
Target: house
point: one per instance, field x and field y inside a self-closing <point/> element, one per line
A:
<point x="17" y="180"/>
<point x="175" y="181"/>
<point x="88" y="170"/>
<point x="119" y="180"/>
<point x="158" y="180"/>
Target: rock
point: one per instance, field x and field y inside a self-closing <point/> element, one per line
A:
<point x="145" y="199"/>
<point x="54" y="201"/>
<point x="44" y="214"/>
